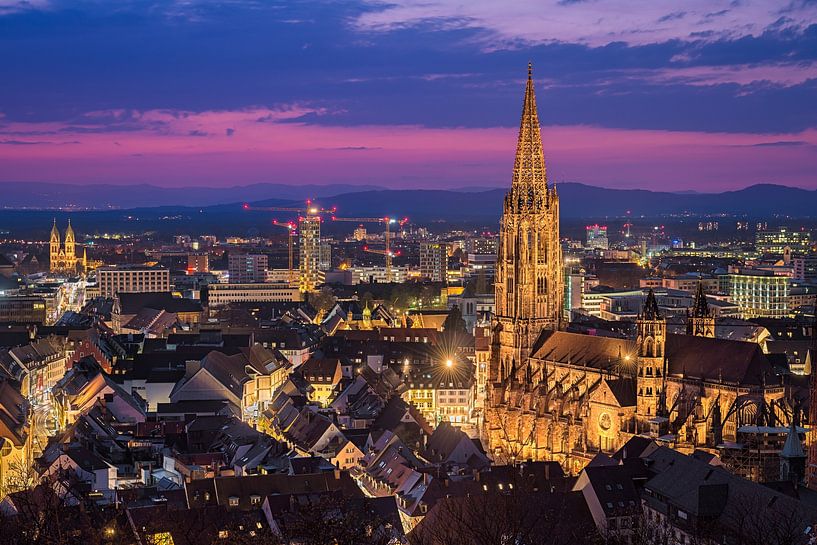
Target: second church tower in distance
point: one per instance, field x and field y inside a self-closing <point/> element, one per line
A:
<point x="529" y="275"/>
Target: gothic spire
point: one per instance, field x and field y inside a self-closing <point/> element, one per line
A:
<point x="650" y="311"/>
<point x="700" y="308"/>
<point x="529" y="166"/>
<point x="55" y="233"/>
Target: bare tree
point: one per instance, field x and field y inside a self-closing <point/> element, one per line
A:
<point x="332" y="520"/>
<point x="518" y="515"/>
<point x="53" y="512"/>
<point x="761" y="519"/>
<point x="214" y="524"/>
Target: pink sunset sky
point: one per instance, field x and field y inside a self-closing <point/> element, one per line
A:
<point x="697" y="95"/>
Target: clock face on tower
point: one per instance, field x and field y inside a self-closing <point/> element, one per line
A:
<point x="605" y="421"/>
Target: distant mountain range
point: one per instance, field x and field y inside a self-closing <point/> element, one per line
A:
<point x="184" y="210"/>
<point x="579" y="201"/>
<point x="108" y="196"/>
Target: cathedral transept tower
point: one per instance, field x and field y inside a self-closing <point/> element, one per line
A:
<point x="701" y="323"/>
<point x="652" y="336"/>
<point x="529" y="277"/>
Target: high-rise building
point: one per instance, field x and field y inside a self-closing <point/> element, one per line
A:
<point x="529" y="284"/>
<point x="597" y="236"/>
<point x="247" y="268"/>
<point x="309" y="247"/>
<point x="434" y="261"/>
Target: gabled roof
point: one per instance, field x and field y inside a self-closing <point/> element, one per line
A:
<point x="243" y="488"/>
<point x="81" y="456"/>
<point x="614" y="486"/>
<point x="624" y="390"/>
<point x="308" y="428"/>
<point x="320" y="370"/>
<point x="703" y="490"/>
<point x="230" y="371"/>
<point x="13" y="414"/>
<point x="635" y="447"/>
<point x="735" y="362"/>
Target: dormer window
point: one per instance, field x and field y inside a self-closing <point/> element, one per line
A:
<point x="233" y="501"/>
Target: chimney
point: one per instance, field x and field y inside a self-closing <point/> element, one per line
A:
<point x="337" y="474"/>
<point x="426" y="478"/>
<point x="547" y="471"/>
<point x="476" y="475"/>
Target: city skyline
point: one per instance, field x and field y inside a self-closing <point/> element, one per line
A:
<point x="708" y="97"/>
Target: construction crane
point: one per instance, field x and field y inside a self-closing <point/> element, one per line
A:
<point x="310" y="214"/>
<point x="387" y="252"/>
<point x="290" y="227"/>
<point x="309" y="210"/>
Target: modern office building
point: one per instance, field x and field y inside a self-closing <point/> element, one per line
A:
<point x="759" y="294"/>
<point x="132" y="279"/>
<point x="774" y="241"/>
<point x="22" y="309"/>
<point x="223" y="294"/>
<point x="325" y="261"/>
<point x="805" y="268"/>
<point x="248" y="268"/>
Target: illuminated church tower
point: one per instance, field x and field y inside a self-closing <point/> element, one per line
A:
<point x="529" y="279"/>
<point x="701" y="323"/>
<point x="652" y="336"/>
<point x="63" y="258"/>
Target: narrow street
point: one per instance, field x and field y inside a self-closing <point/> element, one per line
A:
<point x="42" y="426"/>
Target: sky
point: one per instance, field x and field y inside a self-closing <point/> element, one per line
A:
<point x="703" y="95"/>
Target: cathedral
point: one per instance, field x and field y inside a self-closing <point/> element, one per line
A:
<point x="64" y="257"/>
<point x="566" y="397"/>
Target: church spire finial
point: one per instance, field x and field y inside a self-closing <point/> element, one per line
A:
<point x="530" y="70"/>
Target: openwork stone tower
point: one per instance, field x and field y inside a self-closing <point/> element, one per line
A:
<point x="529" y="278"/>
